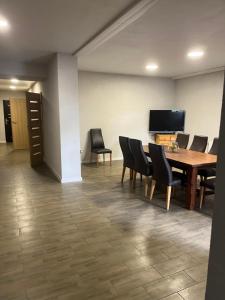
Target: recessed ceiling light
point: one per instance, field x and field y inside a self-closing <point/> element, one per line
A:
<point x="152" y="67"/>
<point x="195" y="54"/>
<point x="4" y="24"/>
<point x="12" y="87"/>
<point x="14" y="80"/>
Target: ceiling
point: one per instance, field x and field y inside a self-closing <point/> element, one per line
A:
<point x="21" y="85"/>
<point x="40" y="28"/>
<point x="164" y="35"/>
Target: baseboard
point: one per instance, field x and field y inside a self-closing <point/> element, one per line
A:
<point x="61" y="179"/>
<point x="71" y="179"/>
<point x="56" y="175"/>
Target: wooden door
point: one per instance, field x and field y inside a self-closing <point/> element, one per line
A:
<point x="19" y="123"/>
<point x="34" y="118"/>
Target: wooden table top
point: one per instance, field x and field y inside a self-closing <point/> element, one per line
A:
<point x="189" y="158"/>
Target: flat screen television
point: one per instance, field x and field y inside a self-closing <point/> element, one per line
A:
<point x="166" y="121"/>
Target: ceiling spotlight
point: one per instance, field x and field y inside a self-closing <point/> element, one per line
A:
<point x="12" y="87"/>
<point x="4" y="24"/>
<point x="195" y="54"/>
<point x="14" y="80"/>
<point x="152" y="67"/>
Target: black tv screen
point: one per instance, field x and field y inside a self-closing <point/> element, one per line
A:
<point x="166" y="120"/>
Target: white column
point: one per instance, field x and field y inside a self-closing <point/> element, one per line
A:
<point x="61" y="119"/>
<point x="69" y="118"/>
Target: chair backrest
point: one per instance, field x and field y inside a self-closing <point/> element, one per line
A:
<point x="128" y="159"/>
<point x="97" y="141"/>
<point x="182" y="140"/>
<point x="199" y="143"/>
<point x="214" y="147"/>
<point x="141" y="164"/>
<point x="162" y="171"/>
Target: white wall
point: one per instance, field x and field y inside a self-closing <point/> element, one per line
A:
<point x="37" y="87"/>
<point x="120" y="106"/>
<point x="51" y="125"/>
<point x="6" y="95"/>
<point x="201" y="97"/>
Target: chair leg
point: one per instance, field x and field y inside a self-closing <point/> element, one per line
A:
<point x="146" y="186"/>
<point x="97" y="158"/>
<point x="123" y="173"/>
<point x="153" y="184"/>
<point x="131" y="174"/>
<point x="168" y="197"/>
<point x="134" y="179"/>
<point x="202" y="196"/>
<point x="110" y="159"/>
<point x="104" y="158"/>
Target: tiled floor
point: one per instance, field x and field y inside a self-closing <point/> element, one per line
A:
<point x="96" y="239"/>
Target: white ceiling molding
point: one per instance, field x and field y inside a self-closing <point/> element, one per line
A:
<point x="208" y="71"/>
<point x="121" y="23"/>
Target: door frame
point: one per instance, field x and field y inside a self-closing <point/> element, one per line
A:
<point x="8" y="131"/>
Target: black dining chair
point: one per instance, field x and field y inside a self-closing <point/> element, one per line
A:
<point x="141" y="163"/>
<point x="97" y="144"/>
<point x="162" y="172"/>
<point x="182" y="140"/>
<point x="206" y="184"/>
<point x="210" y="171"/>
<point x="214" y="148"/>
<point x="128" y="159"/>
<point x="199" y="143"/>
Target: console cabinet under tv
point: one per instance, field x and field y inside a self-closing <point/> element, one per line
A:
<point x="165" y="139"/>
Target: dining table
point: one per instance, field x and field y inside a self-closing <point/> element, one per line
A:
<point x="190" y="162"/>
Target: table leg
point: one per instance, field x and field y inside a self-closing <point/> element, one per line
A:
<point x="191" y="187"/>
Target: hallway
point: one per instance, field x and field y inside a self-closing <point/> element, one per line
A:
<point x="15" y="169"/>
<point x="95" y="239"/>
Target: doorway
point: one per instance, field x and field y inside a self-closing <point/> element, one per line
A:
<point x="19" y="124"/>
<point x="15" y="142"/>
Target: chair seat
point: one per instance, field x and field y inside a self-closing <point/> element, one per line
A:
<point x="207" y="172"/>
<point x="128" y="165"/>
<point x="209" y="183"/>
<point x="178" y="178"/>
<point x="101" y="150"/>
